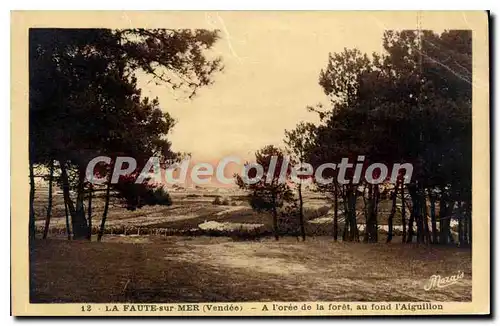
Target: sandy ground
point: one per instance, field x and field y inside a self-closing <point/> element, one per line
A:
<point x="202" y="269"/>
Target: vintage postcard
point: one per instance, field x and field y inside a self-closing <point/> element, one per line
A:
<point x="257" y="163"/>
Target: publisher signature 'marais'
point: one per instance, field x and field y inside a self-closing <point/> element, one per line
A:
<point x="436" y="281"/>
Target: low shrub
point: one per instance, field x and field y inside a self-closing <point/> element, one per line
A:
<point x="159" y="196"/>
<point x="220" y="201"/>
<point x="217" y="201"/>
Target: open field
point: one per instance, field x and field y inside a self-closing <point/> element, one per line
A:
<point x="193" y="213"/>
<point x="204" y="269"/>
<point x="133" y="263"/>
<point x="191" y="208"/>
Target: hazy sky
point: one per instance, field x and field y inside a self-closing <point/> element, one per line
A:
<point x="272" y="63"/>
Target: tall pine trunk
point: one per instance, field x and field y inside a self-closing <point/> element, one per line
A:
<point x="460" y="231"/>
<point x="411" y="220"/>
<point x="105" y="212"/>
<point x="371" y="229"/>
<point x="451" y="209"/>
<point x="411" y="231"/>
<point x="275" y="224"/>
<point x="433" y="218"/>
<point x="89" y="212"/>
<point x="31" y="226"/>
<point x="49" y="204"/>
<point x="465" y="223"/>
<point x="275" y="217"/>
<point x="347" y="223"/>
<point x="68" y="230"/>
<point x="462" y="225"/>
<point x="78" y="220"/>
<point x="353" y="227"/>
<point x="468" y="212"/>
<point x="424" y="216"/>
<point x="366" y="210"/>
<point x="80" y="208"/>
<point x="301" y="214"/>
<point x="416" y="216"/>
<point x="443" y="216"/>
<point x="403" y="211"/>
<point x="336" y="213"/>
<point x="425" y="219"/>
<point x="347" y="214"/>
<point x="394" y="195"/>
<point x="376" y="196"/>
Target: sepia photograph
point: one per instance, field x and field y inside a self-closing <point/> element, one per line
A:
<point x="251" y="163"/>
